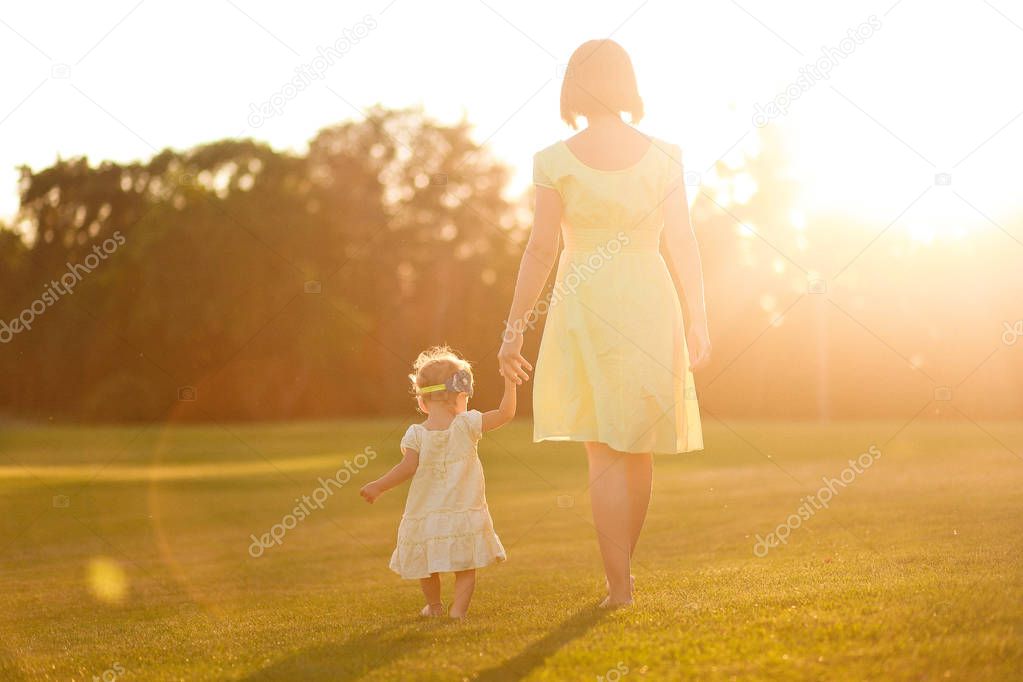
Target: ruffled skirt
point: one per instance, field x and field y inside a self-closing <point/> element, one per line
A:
<point x="446" y="541"/>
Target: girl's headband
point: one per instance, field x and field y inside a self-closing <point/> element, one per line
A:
<point x="459" y="382"/>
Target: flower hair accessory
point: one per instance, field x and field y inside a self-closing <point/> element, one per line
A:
<point x="459" y="382"/>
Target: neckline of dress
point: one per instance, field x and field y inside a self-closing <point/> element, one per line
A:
<point x="423" y="427"/>
<point x="642" y="158"/>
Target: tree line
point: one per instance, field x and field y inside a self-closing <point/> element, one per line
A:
<point x="232" y="281"/>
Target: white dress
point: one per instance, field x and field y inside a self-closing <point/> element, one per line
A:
<point x="446" y="525"/>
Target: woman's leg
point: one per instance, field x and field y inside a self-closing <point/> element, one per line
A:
<point x="465" y="584"/>
<point x="640" y="473"/>
<point x="609" y="498"/>
<point x="431" y="590"/>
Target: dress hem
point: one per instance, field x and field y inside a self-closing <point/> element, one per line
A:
<point x="579" y="438"/>
<point x="498" y="559"/>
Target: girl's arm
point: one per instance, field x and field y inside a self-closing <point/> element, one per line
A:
<point x="684" y="255"/>
<point x="495" y="419"/>
<point x="399" y="473"/>
<point x="534" y="269"/>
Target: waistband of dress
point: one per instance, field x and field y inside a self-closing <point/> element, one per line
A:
<point x="611" y="240"/>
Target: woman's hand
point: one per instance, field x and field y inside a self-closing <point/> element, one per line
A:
<point x="510" y="361"/>
<point x="698" y="340"/>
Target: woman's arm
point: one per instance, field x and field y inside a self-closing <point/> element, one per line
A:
<point x="495" y="419"/>
<point x="399" y="473"/>
<point x="684" y="255"/>
<point x="534" y="269"/>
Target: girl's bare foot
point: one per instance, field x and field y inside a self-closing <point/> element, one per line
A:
<point x="465" y="583"/>
<point x="431" y="610"/>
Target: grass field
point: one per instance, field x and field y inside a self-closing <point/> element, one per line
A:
<point x="124" y="554"/>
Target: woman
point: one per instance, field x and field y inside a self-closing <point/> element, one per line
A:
<point x="614" y="370"/>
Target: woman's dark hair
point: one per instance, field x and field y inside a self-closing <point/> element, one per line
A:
<point x="600" y="79"/>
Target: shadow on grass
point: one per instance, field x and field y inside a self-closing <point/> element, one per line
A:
<point x="347" y="660"/>
<point x="535" y="654"/>
<point x="358" y="656"/>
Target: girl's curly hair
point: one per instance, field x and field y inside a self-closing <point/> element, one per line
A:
<point x="435" y="366"/>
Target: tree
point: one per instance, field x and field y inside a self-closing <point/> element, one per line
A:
<point x="269" y="284"/>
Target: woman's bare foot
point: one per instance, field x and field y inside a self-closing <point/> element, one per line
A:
<point x="619" y="600"/>
<point x="612" y="605"/>
<point x="632" y="584"/>
<point x="431" y="610"/>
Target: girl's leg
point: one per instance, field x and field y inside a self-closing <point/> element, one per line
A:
<point x="640" y="472"/>
<point x="609" y="498"/>
<point x="431" y="590"/>
<point x="465" y="584"/>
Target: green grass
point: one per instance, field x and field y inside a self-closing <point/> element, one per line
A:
<point x="913" y="572"/>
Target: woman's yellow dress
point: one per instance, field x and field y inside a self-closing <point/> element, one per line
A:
<point x="613" y="365"/>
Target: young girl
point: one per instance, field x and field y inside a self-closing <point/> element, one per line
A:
<point x="446" y="525"/>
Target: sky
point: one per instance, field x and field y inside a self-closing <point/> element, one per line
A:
<point x="917" y="95"/>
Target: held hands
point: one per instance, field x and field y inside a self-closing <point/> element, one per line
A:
<point x="698" y="340"/>
<point x="370" y="492"/>
<point x="512" y="365"/>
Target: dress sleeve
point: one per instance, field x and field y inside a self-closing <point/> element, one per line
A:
<point x="541" y="174"/>
<point x="411" y="439"/>
<point x="474" y="422"/>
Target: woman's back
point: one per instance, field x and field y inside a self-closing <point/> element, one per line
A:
<point x="604" y="187"/>
<point x="610" y="147"/>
